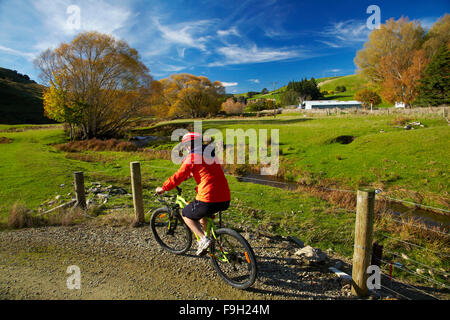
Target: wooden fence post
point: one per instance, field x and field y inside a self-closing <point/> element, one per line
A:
<point x="79" y="189"/>
<point x="136" y="185"/>
<point x="362" y="251"/>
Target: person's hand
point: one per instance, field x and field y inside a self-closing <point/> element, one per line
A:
<point x="159" y="190"/>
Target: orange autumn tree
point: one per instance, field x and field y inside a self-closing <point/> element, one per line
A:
<point x="187" y="95"/>
<point x="401" y="79"/>
<point x="96" y="83"/>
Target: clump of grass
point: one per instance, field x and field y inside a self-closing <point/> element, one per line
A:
<point x="400" y="121"/>
<point x="97" y="145"/>
<point x="22" y="217"/>
<point x="4" y="140"/>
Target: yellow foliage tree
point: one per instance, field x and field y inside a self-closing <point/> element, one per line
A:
<point x="438" y="35"/>
<point x="186" y="95"/>
<point x="396" y="40"/>
<point x="96" y="83"/>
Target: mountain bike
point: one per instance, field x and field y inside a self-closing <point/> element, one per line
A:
<point x="231" y="255"/>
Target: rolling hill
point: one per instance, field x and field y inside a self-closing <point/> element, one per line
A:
<point x="353" y="83"/>
<point x="20" y="99"/>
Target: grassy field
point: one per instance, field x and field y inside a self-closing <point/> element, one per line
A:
<point x="407" y="164"/>
<point x="353" y="83"/>
<point x="411" y="164"/>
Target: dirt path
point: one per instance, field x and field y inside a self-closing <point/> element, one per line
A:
<point x="126" y="263"/>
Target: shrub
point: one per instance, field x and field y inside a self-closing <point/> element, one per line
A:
<point x="400" y="121"/>
<point x="232" y="107"/>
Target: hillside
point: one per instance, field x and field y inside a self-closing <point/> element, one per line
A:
<point x="353" y="83"/>
<point x="20" y="99"/>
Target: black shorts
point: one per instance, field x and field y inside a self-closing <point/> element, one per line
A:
<point x="198" y="209"/>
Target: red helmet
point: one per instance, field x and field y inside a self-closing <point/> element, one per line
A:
<point x="191" y="136"/>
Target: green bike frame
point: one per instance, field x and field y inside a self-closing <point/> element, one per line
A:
<point x="211" y="227"/>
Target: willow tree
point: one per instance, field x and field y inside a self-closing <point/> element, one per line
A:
<point x="396" y="41"/>
<point x="96" y="83"/>
<point x="187" y="95"/>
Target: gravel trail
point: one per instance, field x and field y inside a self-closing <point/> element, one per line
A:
<point x="127" y="263"/>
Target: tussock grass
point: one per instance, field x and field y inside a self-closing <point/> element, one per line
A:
<point x="401" y="121"/>
<point x="97" y="145"/>
<point x="22" y="217"/>
<point x="4" y="140"/>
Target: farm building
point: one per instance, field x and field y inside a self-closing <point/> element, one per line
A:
<point x="329" y="104"/>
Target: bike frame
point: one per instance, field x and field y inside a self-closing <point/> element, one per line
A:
<point x="210" y="228"/>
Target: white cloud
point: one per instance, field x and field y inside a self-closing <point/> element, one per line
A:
<point x="345" y="33"/>
<point x="94" y="15"/>
<point x="26" y="55"/>
<point x="185" y="33"/>
<point x="238" y="55"/>
<point x="232" y="31"/>
<point x="229" y="84"/>
<point x="254" y="80"/>
<point x="172" y="68"/>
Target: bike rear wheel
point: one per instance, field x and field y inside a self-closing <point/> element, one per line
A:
<point x="170" y="231"/>
<point x="233" y="259"/>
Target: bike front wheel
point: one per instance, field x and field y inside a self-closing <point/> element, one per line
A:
<point x="233" y="259"/>
<point x="170" y="231"/>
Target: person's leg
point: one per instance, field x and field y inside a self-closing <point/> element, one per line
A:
<point x="195" y="226"/>
<point x="193" y="215"/>
<point x="204" y="224"/>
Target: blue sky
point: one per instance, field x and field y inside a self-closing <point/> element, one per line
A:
<point x="246" y="44"/>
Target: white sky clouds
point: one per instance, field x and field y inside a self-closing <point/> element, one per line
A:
<point x="239" y="55"/>
<point x="229" y="84"/>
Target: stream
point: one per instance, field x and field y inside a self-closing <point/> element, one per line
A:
<point x="427" y="217"/>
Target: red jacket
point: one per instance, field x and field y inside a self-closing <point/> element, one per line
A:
<point x="212" y="186"/>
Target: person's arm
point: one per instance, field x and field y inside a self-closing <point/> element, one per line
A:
<point x="181" y="175"/>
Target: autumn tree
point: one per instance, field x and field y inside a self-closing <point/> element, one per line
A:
<point x="438" y="35"/>
<point x="233" y="107"/>
<point x="187" y="95"/>
<point x="401" y="80"/>
<point x="368" y="98"/>
<point x="397" y="40"/>
<point x="96" y="83"/>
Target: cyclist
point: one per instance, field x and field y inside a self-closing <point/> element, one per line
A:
<point x="213" y="193"/>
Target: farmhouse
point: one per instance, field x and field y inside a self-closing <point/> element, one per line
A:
<point x="329" y="104"/>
